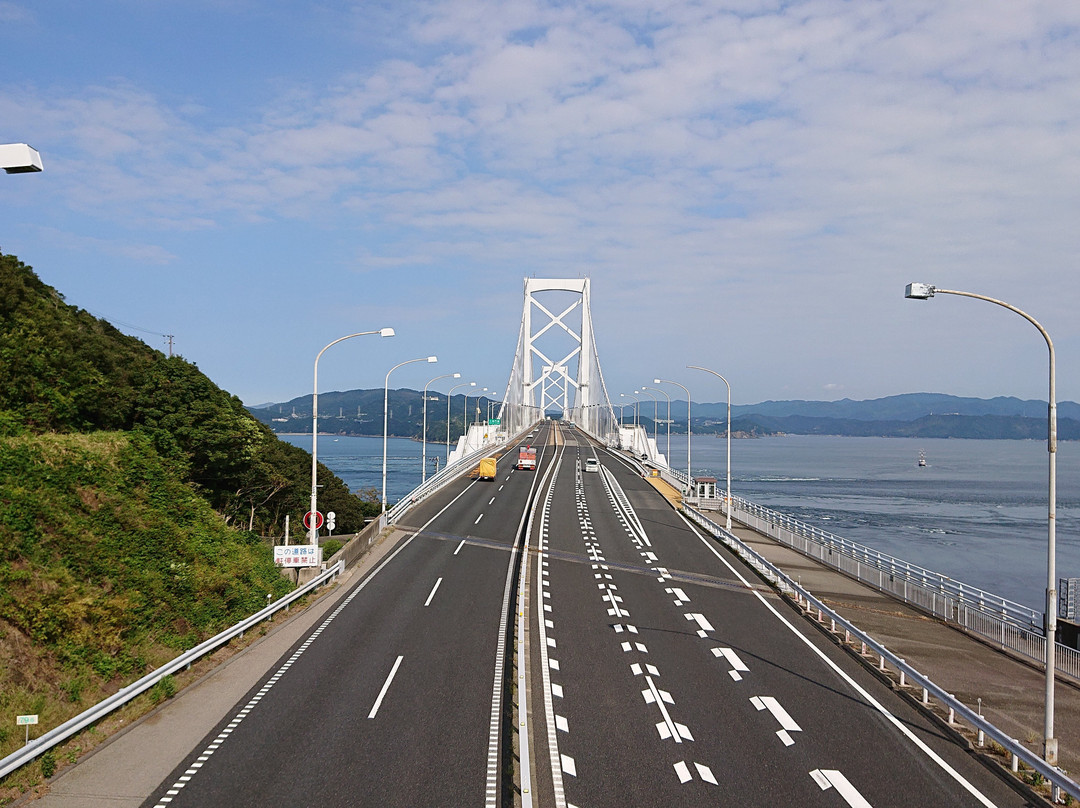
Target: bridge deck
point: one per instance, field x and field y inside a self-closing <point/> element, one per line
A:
<point x="1011" y="689"/>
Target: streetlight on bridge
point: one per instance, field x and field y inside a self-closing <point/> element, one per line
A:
<point x="636" y="401"/>
<point x="664" y="393"/>
<point x="465" y="415"/>
<point x="655" y="410"/>
<point x="668" y="381"/>
<point x="313" y="530"/>
<point x="449" y="393"/>
<point x="423" y="436"/>
<point x="18" y="158"/>
<point x="727" y="490"/>
<point x="924" y="291"/>
<point x="386" y="415"/>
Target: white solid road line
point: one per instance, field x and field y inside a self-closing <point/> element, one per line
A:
<point x="385" y="687"/>
<point x="433" y="590"/>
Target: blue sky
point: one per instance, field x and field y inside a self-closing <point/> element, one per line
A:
<point x="748" y="184"/>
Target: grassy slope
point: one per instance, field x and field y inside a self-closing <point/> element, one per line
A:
<point x="109" y="565"/>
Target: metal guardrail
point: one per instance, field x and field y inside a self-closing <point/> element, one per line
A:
<point x="859" y="558"/>
<point x="94" y="714"/>
<point x="1057" y="778"/>
<point x="446" y="475"/>
<point x="1011" y="625"/>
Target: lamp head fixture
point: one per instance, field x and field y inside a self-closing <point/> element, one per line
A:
<point x="919" y="291"/>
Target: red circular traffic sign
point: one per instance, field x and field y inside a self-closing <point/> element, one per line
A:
<point x="318" y="520"/>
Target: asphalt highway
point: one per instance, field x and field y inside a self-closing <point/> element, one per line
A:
<point x="396" y="698"/>
<point x="668" y="675"/>
<point x="659" y="671"/>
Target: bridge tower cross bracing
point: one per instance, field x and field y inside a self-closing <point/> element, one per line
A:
<point x="569" y="380"/>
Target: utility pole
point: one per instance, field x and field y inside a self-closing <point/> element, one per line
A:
<point x="169" y="338"/>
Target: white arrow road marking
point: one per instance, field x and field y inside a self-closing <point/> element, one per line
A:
<point x="667" y="728"/>
<point x="705" y="625"/>
<point x="780" y="714"/>
<point x="831" y="778"/>
<point x="680" y="596"/>
<point x="704" y="772"/>
<point x="737" y="665"/>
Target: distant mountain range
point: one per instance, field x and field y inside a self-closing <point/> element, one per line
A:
<point x="919" y="415"/>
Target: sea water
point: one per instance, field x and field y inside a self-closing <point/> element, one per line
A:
<point x="357" y="460"/>
<point x="977" y="511"/>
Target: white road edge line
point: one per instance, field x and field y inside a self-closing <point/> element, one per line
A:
<point x="385" y="687"/>
<point x="930" y="753"/>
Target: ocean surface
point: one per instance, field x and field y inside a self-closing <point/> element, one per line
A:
<point x="358" y="461"/>
<point x="976" y="512"/>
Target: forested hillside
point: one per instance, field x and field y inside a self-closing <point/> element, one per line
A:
<point x="137" y="502"/>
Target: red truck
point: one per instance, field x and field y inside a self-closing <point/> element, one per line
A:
<point x="526" y="458"/>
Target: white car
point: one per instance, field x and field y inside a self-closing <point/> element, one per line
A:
<point x="592" y="464"/>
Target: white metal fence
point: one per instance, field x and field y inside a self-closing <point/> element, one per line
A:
<point x="1011" y="625"/>
<point x="1057" y="778"/>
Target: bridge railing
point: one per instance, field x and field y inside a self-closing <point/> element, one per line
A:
<point x="1057" y="778"/>
<point x="933" y="592"/>
<point x="446" y="475"/>
<point x="94" y="714"/>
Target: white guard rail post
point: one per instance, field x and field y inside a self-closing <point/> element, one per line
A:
<point x="1055" y="776"/>
<point x="94" y="714"/>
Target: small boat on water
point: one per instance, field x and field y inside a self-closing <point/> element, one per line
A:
<point x="922" y="458"/>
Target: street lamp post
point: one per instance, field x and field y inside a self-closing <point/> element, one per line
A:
<point x="924" y="291"/>
<point x="658" y="390"/>
<point x="668" y="381"/>
<point x="313" y="532"/>
<point x="465" y="414"/>
<point x="655" y="411"/>
<point x="452" y="389"/>
<point x="423" y="436"/>
<point x="386" y="415"/>
<point x="727" y="490"/>
<point x="635" y="400"/>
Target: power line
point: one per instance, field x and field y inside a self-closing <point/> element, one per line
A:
<point x="167" y="337"/>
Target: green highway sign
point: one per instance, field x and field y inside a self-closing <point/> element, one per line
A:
<point x="494" y="421"/>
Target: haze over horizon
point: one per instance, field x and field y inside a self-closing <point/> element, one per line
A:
<point x="749" y="187"/>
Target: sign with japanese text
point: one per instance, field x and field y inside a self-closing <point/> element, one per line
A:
<point x="298" y="555"/>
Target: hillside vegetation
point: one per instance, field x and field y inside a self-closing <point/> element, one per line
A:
<point x="136" y="504"/>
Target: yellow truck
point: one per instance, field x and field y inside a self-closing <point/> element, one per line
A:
<point x="487" y="470"/>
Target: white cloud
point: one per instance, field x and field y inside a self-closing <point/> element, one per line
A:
<point x="805" y="156"/>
